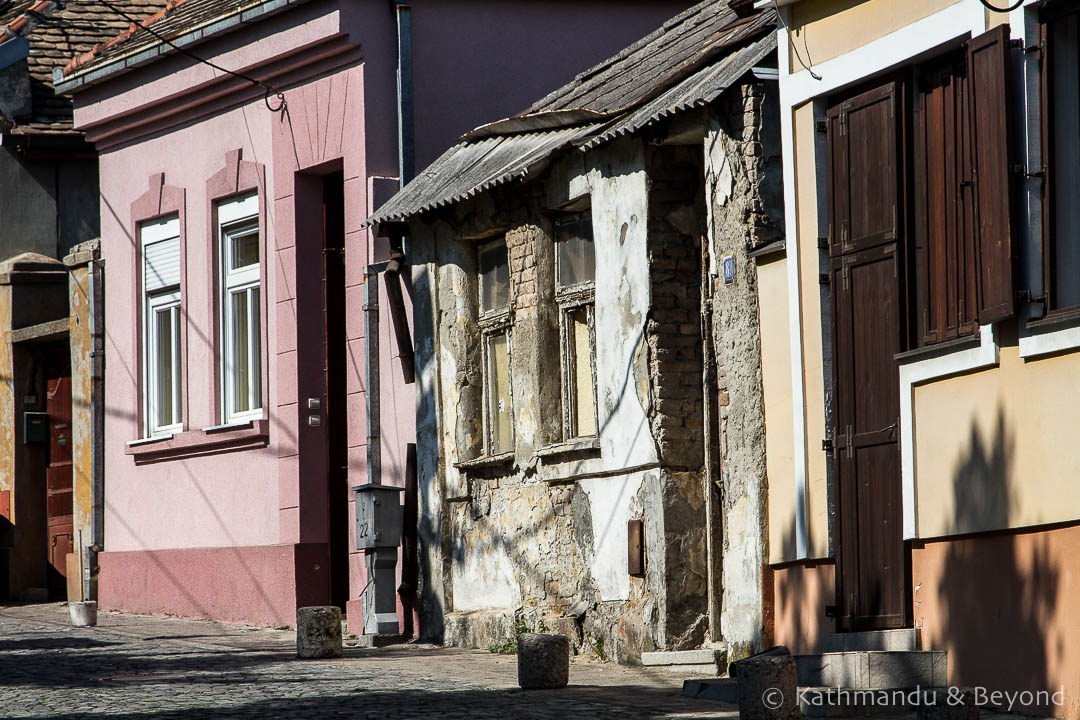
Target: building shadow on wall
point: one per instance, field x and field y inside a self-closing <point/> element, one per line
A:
<point x="801" y="591"/>
<point x="997" y="591"/>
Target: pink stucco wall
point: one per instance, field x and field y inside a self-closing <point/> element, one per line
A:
<point x="251" y="513"/>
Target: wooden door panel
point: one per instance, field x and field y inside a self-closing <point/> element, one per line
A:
<point x="59" y="498"/>
<point x="871" y="586"/>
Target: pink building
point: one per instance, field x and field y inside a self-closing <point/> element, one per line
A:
<point x="237" y="417"/>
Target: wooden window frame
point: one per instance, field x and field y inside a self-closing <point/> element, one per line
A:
<point x="1046" y="305"/>
<point x="570" y="299"/>
<point x="493" y="322"/>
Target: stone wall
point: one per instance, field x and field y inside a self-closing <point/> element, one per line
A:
<point x="743" y="180"/>
<point x="540" y="537"/>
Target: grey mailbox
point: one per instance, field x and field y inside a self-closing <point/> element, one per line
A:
<point x="378" y="516"/>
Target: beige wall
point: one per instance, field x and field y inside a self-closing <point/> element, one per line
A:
<point x="813" y="367"/>
<point x="824" y="29"/>
<point x="997" y="448"/>
<point x="776" y="382"/>
<point x="1004" y="606"/>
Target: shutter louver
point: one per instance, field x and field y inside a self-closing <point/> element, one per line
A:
<point x="162" y="267"/>
<point x="988" y="69"/>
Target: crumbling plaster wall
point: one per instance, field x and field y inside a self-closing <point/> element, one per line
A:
<point x="743" y="181"/>
<point x="531" y="538"/>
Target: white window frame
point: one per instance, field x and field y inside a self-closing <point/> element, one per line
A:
<point x="240" y="216"/>
<point x="570" y="299"/>
<point x="158" y="300"/>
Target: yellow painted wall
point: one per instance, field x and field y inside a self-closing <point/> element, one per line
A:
<point x="7" y="397"/>
<point x="824" y="29"/>
<point x="776" y="382"/>
<point x="999" y="448"/>
<point x="813" y="366"/>
<point x="82" y="415"/>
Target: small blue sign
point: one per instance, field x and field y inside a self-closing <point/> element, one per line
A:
<point x="729" y="269"/>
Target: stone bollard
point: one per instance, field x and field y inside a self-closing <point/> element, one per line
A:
<point x="83" y="614"/>
<point x="767" y="688"/>
<point x="947" y="704"/>
<point x="543" y="661"/>
<point x="318" y="632"/>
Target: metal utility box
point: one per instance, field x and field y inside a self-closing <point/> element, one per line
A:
<point x="378" y="516"/>
<point x="35" y="427"/>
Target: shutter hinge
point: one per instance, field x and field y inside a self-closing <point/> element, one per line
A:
<point x="844" y="233"/>
<point x="847" y="277"/>
<point x="827" y="445"/>
<point x="843" y="123"/>
<point x="822" y="127"/>
<point x="823" y="243"/>
<point x="823" y="279"/>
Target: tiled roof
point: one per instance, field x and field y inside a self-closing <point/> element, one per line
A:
<point x="54" y="40"/>
<point x="180" y="21"/>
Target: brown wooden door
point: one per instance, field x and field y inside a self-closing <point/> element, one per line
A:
<point x="58" y="485"/>
<point x="872" y="579"/>
<point x="866" y="181"/>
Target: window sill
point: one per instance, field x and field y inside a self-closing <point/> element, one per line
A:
<point x="487" y="461"/>
<point x="938" y="349"/>
<point x="1057" y="332"/>
<point x="1056" y="320"/>
<point x="191" y="443"/>
<point x="571" y="447"/>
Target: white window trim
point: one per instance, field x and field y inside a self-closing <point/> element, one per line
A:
<point x="158" y="302"/>
<point x="238" y="216"/>
<point x="150" y="233"/>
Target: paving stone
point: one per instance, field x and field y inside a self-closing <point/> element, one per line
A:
<point x="139" y="667"/>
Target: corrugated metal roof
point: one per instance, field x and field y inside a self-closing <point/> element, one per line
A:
<point x="472" y="167"/>
<point x="699" y="89"/>
<point x="687" y="63"/>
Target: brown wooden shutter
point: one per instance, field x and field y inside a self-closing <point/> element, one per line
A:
<point x="988" y="66"/>
<point x="864" y="167"/>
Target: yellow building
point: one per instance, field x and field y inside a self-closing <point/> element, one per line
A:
<point x="921" y="335"/>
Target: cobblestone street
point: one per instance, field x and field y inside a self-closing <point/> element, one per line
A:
<point x="136" y="666"/>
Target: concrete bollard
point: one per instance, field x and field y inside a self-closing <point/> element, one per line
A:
<point x="83" y="614"/>
<point x="947" y="704"/>
<point x="767" y="688"/>
<point x="318" y="632"/>
<point x="543" y="661"/>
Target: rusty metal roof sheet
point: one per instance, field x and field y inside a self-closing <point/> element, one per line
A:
<point x="474" y="166"/>
<point x="697" y="90"/>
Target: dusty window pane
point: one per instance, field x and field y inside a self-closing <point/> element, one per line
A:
<point x="494" y="278"/>
<point x="164" y="336"/>
<point x="574" y="240"/>
<point x="501" y="418"/>
<point x="240" y="360"/>
<point x="584" y="420"/>
<point x="245" y="249"/>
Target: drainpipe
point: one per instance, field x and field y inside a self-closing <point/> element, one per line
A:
<point x="406" y="160"/>
<point x="371" y="373"/>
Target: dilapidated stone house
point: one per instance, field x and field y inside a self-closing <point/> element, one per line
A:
<point x="589" y="414"/>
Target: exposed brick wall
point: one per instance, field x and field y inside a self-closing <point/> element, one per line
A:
<point x="675" y="223"/>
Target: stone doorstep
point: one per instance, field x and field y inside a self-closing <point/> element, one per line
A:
<point x="873" y="669"/>
<point x="896" y="640"/>
<point x="710" y="661"/>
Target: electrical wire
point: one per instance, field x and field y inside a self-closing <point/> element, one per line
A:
<point x="269" y="90"/>
<point x="794" y="49"/>
<point x="988" y="6"/>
